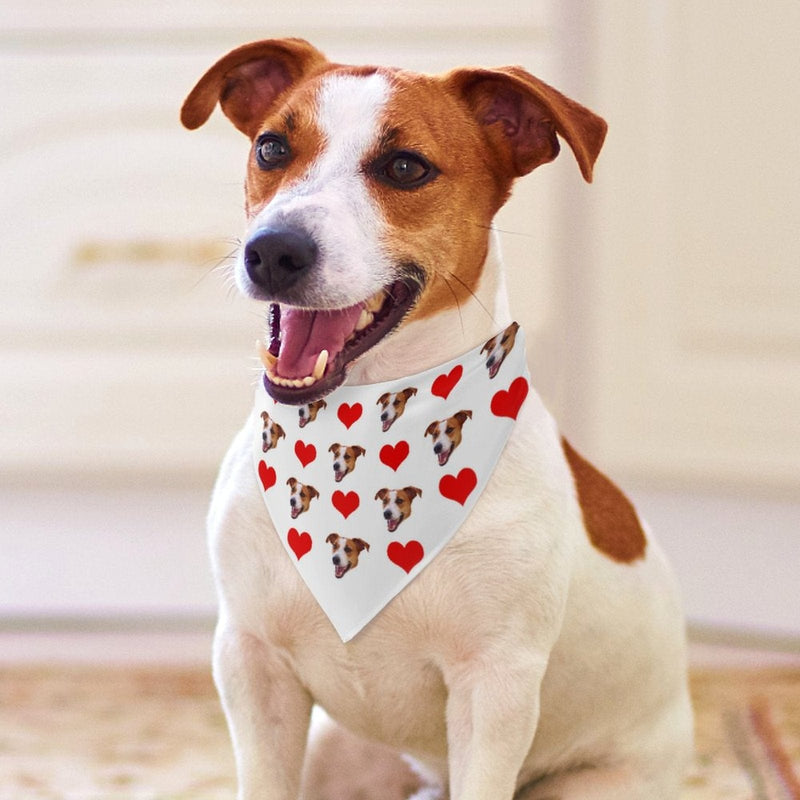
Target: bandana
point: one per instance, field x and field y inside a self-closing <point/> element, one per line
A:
<point x="367" y="486"/>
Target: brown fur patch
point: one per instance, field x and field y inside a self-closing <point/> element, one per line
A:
<point x="609" y="517"/>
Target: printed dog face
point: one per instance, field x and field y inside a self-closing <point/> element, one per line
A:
<point x="498" y="347"/>
<point x="271" y="434"/>
<point x="357" y="176"/>
<point x="344" y="459"/>
<point x="446" y="435"/>
<point x="345" y="553"/>
<point x="393" y="405"/>
<point x="397" y="504"/>
<point x="308" y="412"/>
<point x="300" y="496"/>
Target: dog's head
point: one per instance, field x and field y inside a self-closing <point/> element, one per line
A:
<point x="370" y="191"/>
<point x="396" y="504"/>
<point x="447" y="434"/>
<point x="345" y="553"/>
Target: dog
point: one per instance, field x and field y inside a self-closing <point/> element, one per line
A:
<point x="446" y="435"/>
<point x="397" y="505"/>
<point x="308" y="412"/>
<point x="498" y="347"/>
<point x="271" y="433"/>
<point x="345" y="553"/>
<point x="541" y="654"/>
<point x="300" y="497"/>
<point x="344" y="459"/>
<point x="393" y="404"/>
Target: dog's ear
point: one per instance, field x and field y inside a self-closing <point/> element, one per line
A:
<point x="361" y="545"/>
<point x="312" y="492"/>
<point x="334" y="447"/>
<point x="431" y="428"/>
<point x="463" y="416"/>
<point x="332" y="538"/>
<point x="382" y="399"/>
<point x="381" y="494"/>
<point x="413" y="491"/>
<point x="521" y="116"/>
<point x="248" y="81"/>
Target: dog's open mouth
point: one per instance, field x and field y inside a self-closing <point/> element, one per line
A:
<point x="310" y="350"/>
<point x="393" y="524"/>
<point x="341" y="570"/>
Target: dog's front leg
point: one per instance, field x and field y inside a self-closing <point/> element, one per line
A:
<point x="492" y="713"/>
<point x="268" y="713"/>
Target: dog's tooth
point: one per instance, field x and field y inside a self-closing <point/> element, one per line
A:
<point x="267" y="359"/>
<point x="364" y="320"/>
<point x="319" y="367"/>
<point x="310" y="380"/>
<point x="376" y="301"/>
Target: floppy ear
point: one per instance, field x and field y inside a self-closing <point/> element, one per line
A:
<point x="412" y="491"/>
<point x="381" y="494"/>
<point x="382" y="399"/>
<point x="360" y="545"/>
<point x="332" y="538"/>
<point x="334" y="447"/>
<point x="312" y="492"/>
<point x="463" y="416"/>
<point x="431" y="428"/>
<point x="521" y="116"/>
<point x="248" y="81"/>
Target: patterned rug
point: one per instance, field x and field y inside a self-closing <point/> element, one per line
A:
<point x="148" y="734"/>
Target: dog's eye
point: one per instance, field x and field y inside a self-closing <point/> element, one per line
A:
<point x="272" y="151"/>
<point x="405" y="170"/>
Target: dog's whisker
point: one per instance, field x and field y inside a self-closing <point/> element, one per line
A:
<point x="472" y="293"/>
<point x="503" y="231"/>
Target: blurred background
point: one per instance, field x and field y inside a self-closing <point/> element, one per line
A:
<point x="662" y="303"/>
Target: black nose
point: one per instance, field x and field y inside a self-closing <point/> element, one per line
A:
<point x="336" y="560"/>
<point x="387" y="514"/>
<point x="437" y="448"/>
<point x="275" y="260"/>
<point x="384" y="416"/>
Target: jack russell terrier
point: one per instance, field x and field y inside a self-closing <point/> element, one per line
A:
<point x="541" y="654"/>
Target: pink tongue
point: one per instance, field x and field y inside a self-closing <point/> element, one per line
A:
<point x="305" y="334"/>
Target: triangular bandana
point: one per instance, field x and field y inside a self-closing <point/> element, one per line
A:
<point x="366" y="486"/>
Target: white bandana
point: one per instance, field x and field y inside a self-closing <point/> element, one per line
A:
<point x="366" y="486"/>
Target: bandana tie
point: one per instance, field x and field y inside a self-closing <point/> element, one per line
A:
<point x="366" y="486"/>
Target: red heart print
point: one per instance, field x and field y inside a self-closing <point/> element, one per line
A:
<point x="444" y="384"/>
<point x="394" y="455"/>
<point x="267" y="475"/>
<point x="306" y="453"/>
<point x="345" y="504"/>
<point x="406" y="556"/>
<point x="458" y="487"/>
<point x="508" y="403"/>
<point x="348" y="414"/>
<point x="299" y="542"/>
